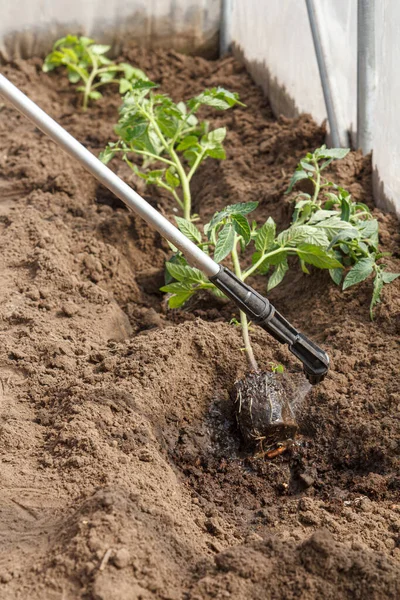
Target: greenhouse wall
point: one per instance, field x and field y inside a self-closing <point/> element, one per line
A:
<point x="29" y="27"/>
<point x="273" y="38"/>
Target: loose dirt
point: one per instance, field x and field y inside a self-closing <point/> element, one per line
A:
<point x="122" y="470"/>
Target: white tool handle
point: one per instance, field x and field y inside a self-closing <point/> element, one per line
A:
<point x="124" y="192"/>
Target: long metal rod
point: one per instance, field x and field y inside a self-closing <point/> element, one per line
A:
<point x="366" y="74"/>
<point x="323" y="72"/>
<point x="60" y="136"/>
<point x="225" y="30"/>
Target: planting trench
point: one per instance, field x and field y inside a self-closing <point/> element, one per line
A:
<point x="122" y="473"/>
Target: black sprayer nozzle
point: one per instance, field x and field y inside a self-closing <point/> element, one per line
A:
<point x="260" y="311"/>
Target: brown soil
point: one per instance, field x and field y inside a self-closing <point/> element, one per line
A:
<point x="122" y="471"/>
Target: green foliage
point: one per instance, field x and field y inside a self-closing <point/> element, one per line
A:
<point x="332" y="233"/>
<point x="349" y="227"/>
<point x="168" y="136"/>
<point x="86" y="63"/>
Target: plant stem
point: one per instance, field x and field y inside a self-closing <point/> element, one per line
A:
<point x="243" y="318"/>
<point x="187" y="198"/>
<point x="317" y="183"/>
<point x="89" y="82"/>
<point x="261" y="260"/>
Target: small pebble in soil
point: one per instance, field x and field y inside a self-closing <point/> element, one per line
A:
<point x="265" y="408"/>
<point x="121" y="558"/>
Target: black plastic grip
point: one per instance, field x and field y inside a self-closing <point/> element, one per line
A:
<point x="260" y="311"/>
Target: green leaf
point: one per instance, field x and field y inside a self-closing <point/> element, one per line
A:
<point x="346" y="234"/>
<point x="124" y="85"/>
<point x="242" y="208"/>
<point x="185" y="273"/>
<point x="361" y="270"/>
<point x="370" y="231"/>
<point x="317" y="256"/>
<point x="321" y="215"/>
<point x="218" y="153"/>
<point x="176" y="286"/>
<point x="389" y="277"/>
<point x="336" y="275"/>
<point x="225" y="242"/>
<point x="297" y="176"/>
<point x="107" y="155"/>
<point x="99" y="49"/>
<point x="73" y="76"/>
<point x="331" y="153"/>
<point x="217" y="136"/>
<point x="95" y="95"/>
<point x="188" y="142"/>
<point x="265" y="236"/>
<point x="278" y="274"/>
<point x="188" y="229"/>
<point x="177" y="300"/>
<point x="335" y="224"/>
<point x="303" y="234"/>
<point x="242" y="227"/>
<point x="217" y="98"/>
<point x="172" y="178"/>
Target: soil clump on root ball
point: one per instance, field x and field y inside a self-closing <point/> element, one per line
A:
<point x="265" y="405"/>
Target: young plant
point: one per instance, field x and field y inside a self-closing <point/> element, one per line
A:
<point x="229" y="234"/>
<point x="168" y="136"/>
<point x="85" y="62"/>
<point x="351" y="230"/>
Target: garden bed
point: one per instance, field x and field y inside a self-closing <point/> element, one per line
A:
<point x="122" y="471"/>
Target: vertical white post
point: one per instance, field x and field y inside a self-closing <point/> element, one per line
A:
<point x="366" y="74"/>
<point x="225" y="31"/>
<point x="317" y="35"/>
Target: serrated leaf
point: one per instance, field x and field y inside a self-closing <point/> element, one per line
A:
<point x="321" y="215"/>
<point x="124" y="85"/>
<point x="361" y="270"/>
<point x="188" y="229"/>
<point x="175" y="287"/>
<point x="297" y="176"/>
<point x="303" y="234"/>
<point x="73" y="76"/>
<point x="177" y="300"/>
<point x="370" y="231"/>
<point x="185" y="273"/>
<point x="336" y="275"/>
<point x="172" y="178"/>
<point x="265" y="236"/>
<point x="389" y="277"/>
<point x="95" y="95"/>
<point x="346" y="234"/>
<point x="317" y="256"/>
<point x="278" y="275"/>
<point x="188" y="142"/>
<point x="99" y="48"/>
<point x="217" y="136"/>
<point x="241" y="208"/>
<point x="337" y="153"/>
<point x="225" y="242"/>
<point x="242" y="227"/>
<point x="218" y="153"/>
<point x="333" y="225"/>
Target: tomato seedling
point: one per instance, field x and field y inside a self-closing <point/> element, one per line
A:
<point x="230" y="233"/>
<point x="85" y="62"/>
<point x="350" y="228"/>
<point x="161" y="131"/>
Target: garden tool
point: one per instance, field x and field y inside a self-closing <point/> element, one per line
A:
<point x="258" y="308"/>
